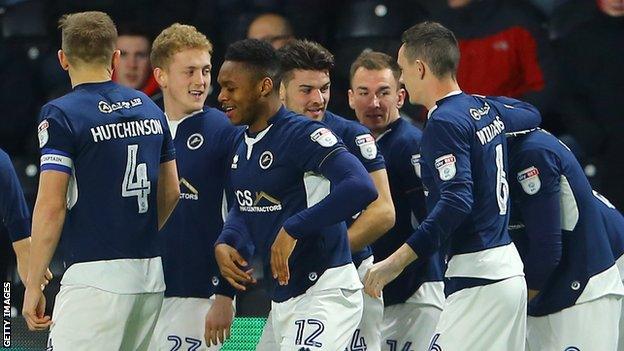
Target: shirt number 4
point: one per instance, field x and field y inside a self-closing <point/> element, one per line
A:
<point x="135" y="181"/>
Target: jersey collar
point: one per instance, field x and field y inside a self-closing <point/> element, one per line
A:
<point x="452" y="93"/>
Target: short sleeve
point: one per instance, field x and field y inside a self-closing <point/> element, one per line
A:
<point x="56" y="140"/>
<point x="167" y="152"/>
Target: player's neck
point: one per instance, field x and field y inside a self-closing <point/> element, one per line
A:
<point x="266" y="111"/>
<point x="439" y="89"/>
<point x="89" y="74"/>
<point x="173" y="112"/>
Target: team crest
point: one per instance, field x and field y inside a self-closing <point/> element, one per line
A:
<point x="195" y="141"/>
<point x="42" y="133"/>
<point x="367" y="145"/>
<point x="530" y="181"/>
<point x="266" y="160"/>
<point x="446" y="166"/>
<point x="324" y="137"/>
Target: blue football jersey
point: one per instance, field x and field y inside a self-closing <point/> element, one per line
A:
<point x="14" y="212"/>
<point x="360" y="143"/>
<point x="400" y="145"/>
<point x="544" y="171"/>
<point x="111" y="140"/>
<point x="204" y="144"/>
<point x="274" y="176"/>
<point x="614" y="222"/>
<point x="464" y="172"/>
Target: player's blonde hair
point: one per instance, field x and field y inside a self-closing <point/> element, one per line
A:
<point x="175" y="38"/>
<point x="88" y="37"/>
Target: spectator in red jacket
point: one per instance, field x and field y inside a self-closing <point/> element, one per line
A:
<point x="504" y="50"/>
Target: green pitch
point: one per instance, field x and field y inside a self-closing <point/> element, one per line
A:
<point x="246" y="332"/>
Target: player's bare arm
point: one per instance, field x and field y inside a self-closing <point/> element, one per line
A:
<point x="382" y="273"/>
<point x="219" y="320"/>
<point x="377" y="218"/>
<point x="168" y="191"/>
<point x="230" y="261"/>
<point x="48" y="219"/>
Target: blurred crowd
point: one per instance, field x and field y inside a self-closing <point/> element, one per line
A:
<point x="564" y="56"/>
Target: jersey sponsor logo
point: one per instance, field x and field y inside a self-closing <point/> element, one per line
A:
<point x="42" y="133"/>
<point x="446" y="166"/>
<point x="126" y="129"/>
<point x="195" y="141"/>
<point x="415" y="160"/>
<point x="266" y="160"/>
<point x="234" y="162"/>
<point x="191" y="192"/>
<point x="530" y="181"/>
<point x="324" y="137"/>
<point x="477" y="113"/>
<point x="107" y="108"/>
<point x="489" y="132"/>
<point x="261" y="202"/>
<point x="367" y="145"/>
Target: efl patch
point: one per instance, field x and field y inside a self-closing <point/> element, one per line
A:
<point x="446" y="166"/>
<point x="367" y="145"/>
<point x="324" y="137"/>
<point x="195" y="141"/>
<point x="266" y="159"/>
<point x="235" y="162"/>
<point x="530" y="181"/>
<point x="416" y="163"/>
<point x="42" y="133"/>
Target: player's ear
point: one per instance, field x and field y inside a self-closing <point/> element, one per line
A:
<point x="63" y="61"/>
<point x="161" y="77"/>
<point x="115" y="59"/>
<point x="266" y="86"/>
<point x="421" y="68"/>
<point x="350" y="95"/>
<point x="401" y="100"/>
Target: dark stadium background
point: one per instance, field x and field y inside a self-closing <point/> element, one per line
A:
<point x="30" y="75"/>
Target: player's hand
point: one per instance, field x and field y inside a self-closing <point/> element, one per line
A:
<point x="22" y="270"/>
<point x="34" y="309"/>
<point x="218" y="321"/>
<point x="281" y="250"/>
<point x="230" y="261"/>
<point x="380" y="274"/>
